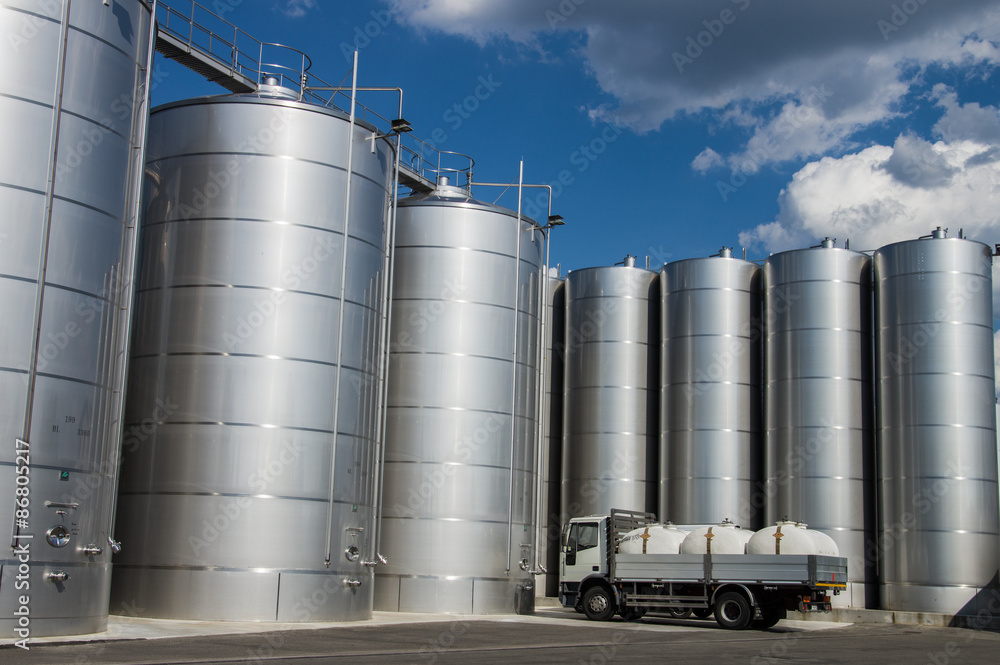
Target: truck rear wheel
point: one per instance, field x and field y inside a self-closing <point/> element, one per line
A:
<point x="599" y="604"/>
<point x="770" y="616"/>
<point x="733" y="611"/>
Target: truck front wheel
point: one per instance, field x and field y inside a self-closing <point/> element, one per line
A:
<point x="599" y="603"/>
<point x="733" y="611"/>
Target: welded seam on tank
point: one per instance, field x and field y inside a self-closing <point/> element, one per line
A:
<point x="879" y="279"/>
<point x="233" y="424"/>
<point x="102" y="126"/>
<point x="27" y="100"/>
<point x="990" y="480"/>
<point x="448" y="578"/>
<point x="885" y="377"/>
<point x="81" y="292"/>
<point x="96" y="38"/>
<point x="87" y="206"/>
<point x="506" y="361"/>
<point x="311" y="294"/>
<point x="476" y="250"/>
<point x="447" y="408"/>
<point x="689" y="289"/>
<point x="462" y="520"/>
<point x="924" y="322"/>
<point x="468" y="465"/>
<point x="223" y="354"/>
<point x="708" y="429"/>
<point x="575" y="299"/>
<point x="851" y="331"/>
<point x="62" y="467"/>
<point x="276" y="222"/>
<point x="282" y="157"/>
<point x="782" y="283"/>
<point x="506" y="308"/>
<point x="231" y="569"/>
<point x="636" y="342"/>
<point x="797" y="377"/>
<point x="63" y="377"/>
<point x="277" y="497"/>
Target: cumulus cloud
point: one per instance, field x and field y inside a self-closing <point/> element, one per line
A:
<point x="707" y="159"/>
<point x="296" y="8"/>
<point x="884" y="194"/>
<point x="802" y="77"/>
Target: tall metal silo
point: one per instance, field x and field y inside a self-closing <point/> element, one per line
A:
<point x="610" y="408"/>
<point x="73" y="100"/>
<point x="247" y="486"/>
<point x="819" y="418"/>
<point x="711" y="453"/>
<point x="936" y="425"/>
<point x="552" y="426"/>
<point x="457" y="517"/>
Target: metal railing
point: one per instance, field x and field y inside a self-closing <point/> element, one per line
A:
<point x="206" y="33"/>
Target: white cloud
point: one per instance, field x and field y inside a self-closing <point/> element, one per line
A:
<point x="965" y="121"/>
<point x="886" y="194"/>
<point x="707" y="159"/>
<point x="297" y="8"/>
<point x="755" y="64"/>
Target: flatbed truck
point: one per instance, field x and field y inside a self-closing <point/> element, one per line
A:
<point x="742" y="590"/>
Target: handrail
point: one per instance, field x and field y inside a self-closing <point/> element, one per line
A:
<point x="209" y="34"/>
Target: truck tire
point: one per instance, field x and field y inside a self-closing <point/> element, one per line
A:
<point x="702" y="612"/>
<point x="675" y="613"/>
<point x="599" y="603"/>
<point x="733" y="611"/>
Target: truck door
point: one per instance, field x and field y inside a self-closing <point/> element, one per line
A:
<point x="583" y="554"/>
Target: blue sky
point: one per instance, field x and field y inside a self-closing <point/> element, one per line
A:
<point x="681" y="126"/>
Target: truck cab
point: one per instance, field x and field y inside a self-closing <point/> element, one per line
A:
<point x="584" y="556"/>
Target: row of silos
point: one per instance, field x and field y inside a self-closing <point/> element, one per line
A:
<point x="916" y="515"/>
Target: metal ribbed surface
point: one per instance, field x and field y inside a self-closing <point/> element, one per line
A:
<point x="72" y="99"/>
<point x="454" y="478"/>
<point x="610" y="409"/>
<point x="938" y="515"/>
<point x="234" y="426"/>
<point x="552" y="426"/>
<point x="710" y="436"/>
<point x="819" y="419"/>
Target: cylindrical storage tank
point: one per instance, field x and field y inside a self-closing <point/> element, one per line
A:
<point x="551" y="453"/>
<point x="710" y="413"/>
<point x="73" y="100"/>
<point x="819" y="415"/>
<point x="724" y="538"/>
<point x="458" y="522"/>
<point x="938" y="513"/>
<point x="610" y="407"/>
<point x="247" y="486"/>
<point x="784" y="537"/>
<point x="653" y="539"/>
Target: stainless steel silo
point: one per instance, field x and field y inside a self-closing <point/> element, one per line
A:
<point x="711" y="454"/>
<point x="610" y="409"/>
<point x="551" y="454"/>
<point x="247" y="487"/>
<point x="936" y="421"/>
<point x="457" y="518"/>
<point x="818" y="391"/>
<point x="73" y="100"/>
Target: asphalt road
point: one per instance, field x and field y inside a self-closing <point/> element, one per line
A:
<point x="551" y="636"/>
